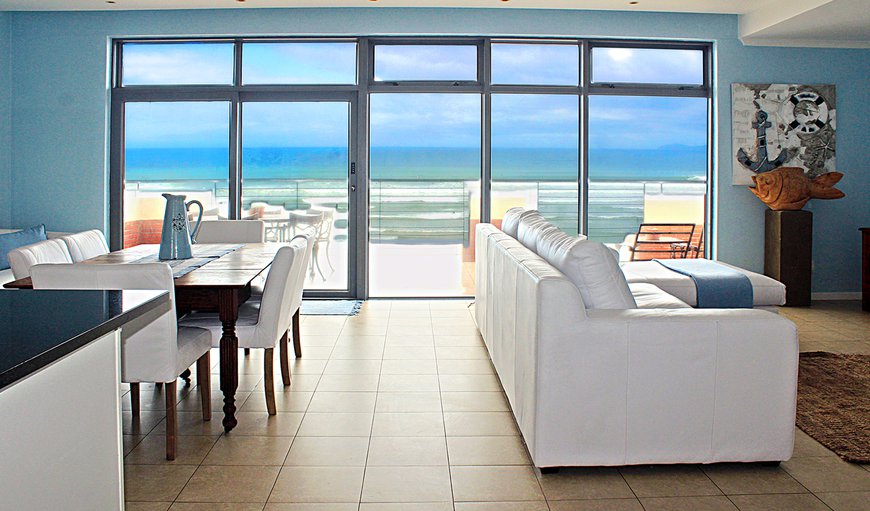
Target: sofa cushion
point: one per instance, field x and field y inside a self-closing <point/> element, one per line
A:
<point x="21" y="238"/>
<point x="512" y="217"/>
<point x="529" y="230"/>
<point x="591" y="267"/>
<point x="648" y="296"/>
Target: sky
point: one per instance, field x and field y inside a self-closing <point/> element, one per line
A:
<point x="416" y="120"/>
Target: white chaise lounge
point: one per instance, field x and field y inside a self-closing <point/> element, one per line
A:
<point x="592" y="379"/>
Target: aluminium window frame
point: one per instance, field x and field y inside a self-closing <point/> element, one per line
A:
<point x="366" y="85"/>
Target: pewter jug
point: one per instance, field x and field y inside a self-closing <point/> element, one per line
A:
<point x="176" y="238"/>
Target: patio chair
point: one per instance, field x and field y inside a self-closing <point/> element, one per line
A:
<point x="662" y="241"/>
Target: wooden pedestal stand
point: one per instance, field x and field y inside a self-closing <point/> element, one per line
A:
<point x="788" y="253"/>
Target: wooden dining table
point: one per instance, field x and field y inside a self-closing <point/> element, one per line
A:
<point x="221" y="285"/>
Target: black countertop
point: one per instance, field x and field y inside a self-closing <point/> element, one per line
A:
<point x="38" y="327"/>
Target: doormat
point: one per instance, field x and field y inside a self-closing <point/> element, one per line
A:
<point x="833" y="404"/>
<point x="331" y="307"/>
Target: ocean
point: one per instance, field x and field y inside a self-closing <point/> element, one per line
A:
<point x="671" y="163"/>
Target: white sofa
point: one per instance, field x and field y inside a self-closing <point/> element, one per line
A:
<point x="591" y="385"/>
<point x="6" y="275"/>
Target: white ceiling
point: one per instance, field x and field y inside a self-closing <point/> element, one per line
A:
<point x="805" y="23"/>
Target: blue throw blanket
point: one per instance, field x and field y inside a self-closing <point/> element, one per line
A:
<point x="718" y="286"/>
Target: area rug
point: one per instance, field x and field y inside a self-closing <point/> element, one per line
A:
<point x="833" y="404"/>
<point x="331" y="307"/>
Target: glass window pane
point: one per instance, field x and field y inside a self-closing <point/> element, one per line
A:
<point x="180" y="148"/>
<point x="299" y="63"/>
<point x="647" y="65"/>
<point x="647" y="163"/>
<point x="177" y="64"/>
<point x="536" y="64"/>
<point x="425" y="62"/>
<point x="424" y="193"/>
<point x="535" y="156"/>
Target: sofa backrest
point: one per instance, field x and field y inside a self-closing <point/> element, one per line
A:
<point x="511" y="220"/>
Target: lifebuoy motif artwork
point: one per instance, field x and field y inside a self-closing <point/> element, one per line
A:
<point x="782" y="125"/>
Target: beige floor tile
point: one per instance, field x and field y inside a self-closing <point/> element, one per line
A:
<point x="190" y="450"/>
<point x="155" y="483"/>
<point x="263" y="424"/>
<point x="492" y="484"/>
<point x="146" y="506"/>
<point x="487" y="450"/>
<point x="447" y="329"/>
<point x="318" y="340"/>
<point x="828" y="474"/>
<point x="143" y="424"/>
<point x="465" y="367"/>
<point x="469" y="383"/>
<point x="708" y="503"/>
<point x="410" y="340"/>
<point x="348" y="383"/>
<point x="406" y="506"/>
<point x="409" y="353"/>
<point x="740" y="478"/>
<point x="668" y="481"/>
<point x="479" y="424"/>
<point x="191" y="423"/>
<point x="474" y="402"/>
<point x="596" y="505"/>
<point x="408" y="424"/>
<point x="284" y="402"/>
<point x="418" y="484"/>
<point x="846" y="501"/>
<point x="341" y="352"/>
<point x="369" y="328"/>
<point x="130" y="442"/>
<point x="805" y="445"/>
<point x="342" y="402"/>
<point x="200" y="506"/>
<point x="409" y="383"/>
<point x="247" y="382"/>
<point x="419" y="329"/>
<point x="585" y="483"/>
<point x="502" y="506"/>
<point x="779" y="502"/>
<point x="193" y="403"/>
<point x="304" y="366"/>
<point x="458" y="340"/>
<point x="352" y="340"/>
<point x="336" y="424"/>
<point x="311" y="506"/>
<point x="298" y="383"/>
<point x="461" y="353"/>
<point x="328" y="451"/>
<point x="249" y="450"/>
<point x="426" y="366"/>
<point x="408" y="402"/>
<point x="353" y="367"/>
<point x="407" y="451"/>
<point x="318" y="484"/>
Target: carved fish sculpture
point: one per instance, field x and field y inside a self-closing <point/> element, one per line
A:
<point x="788" y="189"/>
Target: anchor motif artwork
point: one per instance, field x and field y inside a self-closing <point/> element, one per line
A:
<point x="782" y="125"/>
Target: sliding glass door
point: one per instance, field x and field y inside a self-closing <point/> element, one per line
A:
<point x="424" y="193"/>
<point x="296" y="157"/>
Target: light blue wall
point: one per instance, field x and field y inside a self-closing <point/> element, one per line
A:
<point x="5" y="124"/>
<point x="61" y="65"/>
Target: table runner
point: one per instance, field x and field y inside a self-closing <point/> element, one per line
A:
<point x="202" y="255"/>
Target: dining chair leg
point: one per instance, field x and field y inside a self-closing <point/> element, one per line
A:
<point x="247" y="351"/>
<point x="269" y="380"/>
<point x="134" y="398"/>
<point x="203" y="379"/>
<point x="285" y="359"/>
<point x="297" y="341"/>
<point x="171" y="422"/>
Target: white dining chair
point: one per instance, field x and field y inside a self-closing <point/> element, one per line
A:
<point x="231" y="231"/>
<point x="264" y="323"/>
<point x="156" y="352"/>
<point x="22" y="259"/>
<point x="85" y="245"/>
